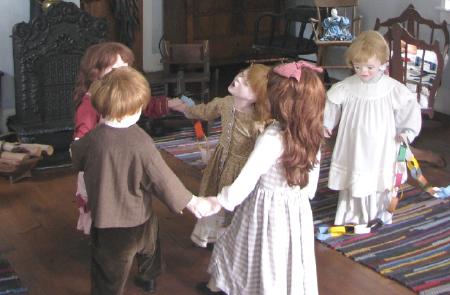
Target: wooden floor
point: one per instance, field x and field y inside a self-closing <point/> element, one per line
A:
<point x="38" y="236"/>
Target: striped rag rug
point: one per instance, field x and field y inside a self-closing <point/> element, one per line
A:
<point x="414" y="250"/>
<point x="9" y="281"/>
<point x="183" y="144"/>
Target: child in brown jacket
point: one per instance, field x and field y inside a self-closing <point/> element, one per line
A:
<point x="123" y="171"/>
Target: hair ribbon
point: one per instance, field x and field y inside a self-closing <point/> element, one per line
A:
<point x="294" y="69"/>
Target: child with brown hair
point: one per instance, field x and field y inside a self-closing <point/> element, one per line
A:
<point x="98" y="60"/>
<point x="373" y="112"/>
<point x="269" y="246"/>
<point x="123" y="171"/>
<point x="239" y="113"/>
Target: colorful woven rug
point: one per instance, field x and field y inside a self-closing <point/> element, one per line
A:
<point x="414" y="250"/>
<point x="183" y="144"/>
<point x="9" y="281"/>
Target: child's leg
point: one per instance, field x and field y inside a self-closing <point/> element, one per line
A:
<point x="149" y="259"/>
<point x="113" y="251"/>
<point x="361" y="210"/>
<point x="345" y="208"/>
<point x="383" y="206"/>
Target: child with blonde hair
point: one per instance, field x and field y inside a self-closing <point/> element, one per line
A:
<point x="373" y="112"/>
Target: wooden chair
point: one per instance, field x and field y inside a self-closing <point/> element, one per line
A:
<point x="417" y="73"/>
<point x="409" y="65"/>
<point x="184" y="63"/>
<point x="346" y="8"/>
<point x="288" y="34"/>
<point x="430" y="37"/>
<point x="418" y="27"/>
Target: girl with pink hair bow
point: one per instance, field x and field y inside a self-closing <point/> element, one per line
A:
<point x="269" y="246"/>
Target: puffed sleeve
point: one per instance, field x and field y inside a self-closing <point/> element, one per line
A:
<point x="157" y="107"/>
<point x="268" y="148"/>
<point x="86" y="117"/>
<point x="333" y="106"/>
<point x="313" y="177"/>
<point x="209" y="111"/>
<point x="407" y="113"/>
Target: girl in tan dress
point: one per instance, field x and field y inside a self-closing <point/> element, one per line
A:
<point x="239" y="113"/>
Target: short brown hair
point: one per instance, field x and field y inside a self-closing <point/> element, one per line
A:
<point x="367" y="45"/>
<point x="121" y="92"/>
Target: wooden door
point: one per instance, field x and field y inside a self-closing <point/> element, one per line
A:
<point x="228" y="25"/>
<point x="106" y="8"/>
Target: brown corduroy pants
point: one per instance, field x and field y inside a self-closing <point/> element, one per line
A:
<point x="113" y="252"/>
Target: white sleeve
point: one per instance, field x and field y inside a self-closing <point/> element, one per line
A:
<point x="311" y="188"/>
<point x="268" y="148"/>
<point x="332" y="115"/>
<point x="333" y="106"/>
<point x="407" y="112"/>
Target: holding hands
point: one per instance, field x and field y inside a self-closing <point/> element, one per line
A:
<point x="176" y="104"/>
<point x="202" y="207"/>
<point x="180" y="104"/>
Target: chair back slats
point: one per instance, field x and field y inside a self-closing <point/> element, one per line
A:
<point x="424" y="76"/>
<point x="419" y="27"/>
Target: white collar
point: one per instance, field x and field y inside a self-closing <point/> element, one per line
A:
<point x="125" y="122"/>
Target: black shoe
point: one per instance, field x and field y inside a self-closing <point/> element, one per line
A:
<point x="210" y="246"/>
<point x="146" y="286"/>
<point x="203" y="288"/>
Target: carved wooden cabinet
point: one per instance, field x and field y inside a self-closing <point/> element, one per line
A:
<point x="47" y="53"/>
<point x="227" y="24"/>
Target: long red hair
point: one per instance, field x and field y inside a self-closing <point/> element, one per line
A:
<point x="298" y="106"/>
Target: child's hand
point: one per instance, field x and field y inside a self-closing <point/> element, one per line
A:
<point x="401" y="137"/>
<point x="177" y="104"/>
<point x="173" y="102"/>
<point x="327" y="132"/>
<point x="202" y="207"/>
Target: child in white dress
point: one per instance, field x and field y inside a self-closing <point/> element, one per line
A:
<point x="269" y="246"/>
<point x="372" y="111"/>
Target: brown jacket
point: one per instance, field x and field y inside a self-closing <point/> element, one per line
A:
<point x="123" y="170"/>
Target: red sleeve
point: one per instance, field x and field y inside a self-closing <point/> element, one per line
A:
<point x="157" y="107"/>
<point x="86" y="117"/>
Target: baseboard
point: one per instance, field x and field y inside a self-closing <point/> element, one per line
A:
<point x="4" y="114"/>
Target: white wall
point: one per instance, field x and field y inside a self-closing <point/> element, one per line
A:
<point x="12" y="12"/>
<point x="17" y="11"/>
<point x="153" y="30"/>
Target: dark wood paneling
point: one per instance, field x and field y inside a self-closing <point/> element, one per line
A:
<point x="228" y="25"/>
<point x="103" y="8"/>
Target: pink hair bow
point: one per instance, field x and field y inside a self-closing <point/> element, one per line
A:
<point x="294" y="69"/>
